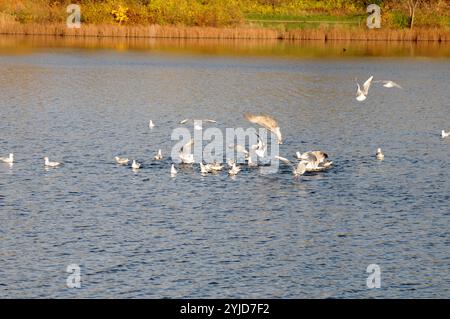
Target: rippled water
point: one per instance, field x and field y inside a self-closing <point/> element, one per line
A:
<point x="146" y="234"/>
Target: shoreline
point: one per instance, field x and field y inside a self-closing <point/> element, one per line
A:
<point x="336" y="33"/>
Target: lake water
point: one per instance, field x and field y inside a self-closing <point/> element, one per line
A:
<point x="146" y="234"/>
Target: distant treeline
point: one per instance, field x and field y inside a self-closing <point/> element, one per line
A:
<point x="219" y="13"/>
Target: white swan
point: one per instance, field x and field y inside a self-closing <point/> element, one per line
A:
<point x="361" y="95"/>
<point x="121" y="160"/>
<point x="379" y="154"/>
<point x="135" y="165"/>
<point x="445" y="134"/>
<point x="47" y="163"/>
<point x="158" y="156"/>
<point x="268" y="123"/>
<point x="9" y="159"/>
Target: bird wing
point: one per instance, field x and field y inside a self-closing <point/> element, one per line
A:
<point x="210" y="121"/>
<point x="184" y="121"/>
<point x="284" y="160"/>
<point x="366" y="85"/>
<point x="263" y="120"/>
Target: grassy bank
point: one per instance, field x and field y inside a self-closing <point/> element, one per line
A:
<point x="158" y="31"/>
<point x="226" y="19"/>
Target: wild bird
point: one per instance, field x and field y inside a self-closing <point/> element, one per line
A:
<point x="443" y="134"/>
<point x="298" y="169"/>
<point x="234" y="170"/>
<point x="361" y="95"/>
<point x="314" y="161"/>
<point x="121" y="160"/>
<point x="267" y="122"/>
<point x="239" y="149"/>
<point x="215" y="166"/>
<point x="151" y="124"/>
<point x="135" y="165"/>
<point x="389" y="84"/>
<point x="158" y="156"/>
<point x="205" y="169"/>
<point x="47" y="163"/>
<point x="379" y="154"/>
<point x="185" y="153"/>
<point x="197" y="123"/>
<point x="260" y="148"/>
<point x="9" y="159"/>
<point x="250" y="163"/>
<point x="173" y="171"/>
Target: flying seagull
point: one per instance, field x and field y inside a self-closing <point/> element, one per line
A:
<point x="389" y="84"/>
<point x="259" y="148"/>
<point x="361" y="95"/>
<point x="267" y="122"/>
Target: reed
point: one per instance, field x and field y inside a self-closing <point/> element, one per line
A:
<point x="242" y="32"/>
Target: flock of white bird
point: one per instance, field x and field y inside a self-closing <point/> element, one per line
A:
<point x="312" y="161"/>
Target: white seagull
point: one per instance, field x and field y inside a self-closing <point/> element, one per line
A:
<point x="390" y="84"/>
<point x="186" y="155"/>
<point x="234" y="170"/>
<point x="379" y="154"/>
<point x="121" y="160"/>
<point x="443" y="134"/>
<point x="260" y="148"/>
<point x="267" y="122"/>
<point x="158" y="156"/>
<point x="173" y="171"/>
<point x="9" y="159"/>
<point x="135" y="165"/>
<point x="361" y="95"/>
<point x="314" y="161"/>
<point x="47" y="163"/>
<point x="151" y="124"/>
<point x="298" y="170"/>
